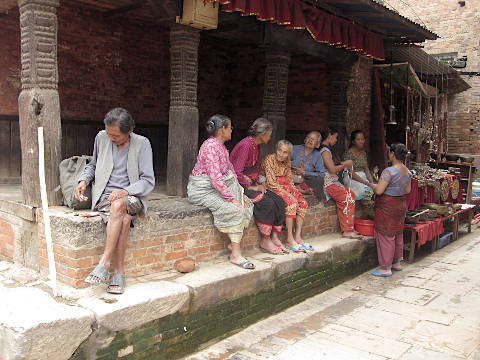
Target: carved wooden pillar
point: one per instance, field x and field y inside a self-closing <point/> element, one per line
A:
<point x="38" y="103"/>
<point x="275" y="94"/>
<point x="183" y="115"/>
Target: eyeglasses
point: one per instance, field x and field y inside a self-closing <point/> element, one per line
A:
<point x="311" y="138"/>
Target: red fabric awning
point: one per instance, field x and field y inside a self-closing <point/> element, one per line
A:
<point x="323" y="27"/>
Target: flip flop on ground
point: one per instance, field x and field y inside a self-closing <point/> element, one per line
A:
<point x="380" y="274"/>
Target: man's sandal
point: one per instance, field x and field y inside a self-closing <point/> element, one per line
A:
<point x="117" y="284"/>
<point x="100" y="272"/>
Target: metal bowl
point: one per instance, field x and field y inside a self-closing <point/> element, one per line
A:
<point x="467" y="159"/>
<point x="451" y="157"/>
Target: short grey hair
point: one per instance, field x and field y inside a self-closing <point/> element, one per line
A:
<point x="260" y="126"/>
<point x="316" y="133"/>
<point x="121" y="117"/>
<point x="284" y="143"/>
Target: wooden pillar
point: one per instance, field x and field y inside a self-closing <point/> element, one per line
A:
<point x="183" y="114"/>
<point x="275" y="94"/>
<point x="38" y="103"/>
<point x="339" y="79"/>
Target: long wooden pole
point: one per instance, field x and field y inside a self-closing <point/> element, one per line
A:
<point x="46" y="216"/>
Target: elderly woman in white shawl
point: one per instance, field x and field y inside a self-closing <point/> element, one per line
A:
<point x="213" y="184"/>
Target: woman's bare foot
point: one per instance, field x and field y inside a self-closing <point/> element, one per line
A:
<point x="268" y="245"/>
<point x="351" y="235"/>
<point x="298" y="238"/>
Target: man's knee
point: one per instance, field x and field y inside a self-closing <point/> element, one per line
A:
<point x="118" y="207"/>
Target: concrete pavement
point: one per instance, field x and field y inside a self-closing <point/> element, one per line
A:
<point x="430" y="310"/>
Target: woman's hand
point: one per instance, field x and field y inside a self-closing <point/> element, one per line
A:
<point x="246" y="200"/>
<point x="260" y="188"/>
<point x="348" y="165"/>
<point x="240" y="207"/>
<point x="299" y="170"/>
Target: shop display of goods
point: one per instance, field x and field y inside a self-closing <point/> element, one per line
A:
<point x="436" y="191"/>
<point x="444" y="190"/>
<point x="455" y="188"/>
<point x="456" y="207"/>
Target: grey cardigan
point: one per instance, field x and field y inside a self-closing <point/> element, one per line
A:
<point x="100" y="168"/>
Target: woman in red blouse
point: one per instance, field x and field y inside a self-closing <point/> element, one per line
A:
<point x="268" y="207"/>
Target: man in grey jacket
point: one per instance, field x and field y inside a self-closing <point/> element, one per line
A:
<point x="121" y="173"/>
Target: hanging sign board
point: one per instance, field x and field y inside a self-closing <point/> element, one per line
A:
<point x="200" y="14"/>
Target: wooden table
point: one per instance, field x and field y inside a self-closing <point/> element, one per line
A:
<point x="412" y="233"/>
<point x="412" y="237"/>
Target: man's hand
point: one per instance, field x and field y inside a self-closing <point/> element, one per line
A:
<point x="117" y="194"/>
<point x="80" y="191"/>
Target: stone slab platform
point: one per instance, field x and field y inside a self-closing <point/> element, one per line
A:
<point x="166" y="315"/>
<point x="173" y="229"/>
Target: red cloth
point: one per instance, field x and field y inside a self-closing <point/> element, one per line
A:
<point x="390" y="214"/>
<point x="428" y="230"/>
<point x="295" y="204"/>
<point x="322" y="26"/>
<point x="339" y="194"/>
<point x="416" y="197"/>
<point x="246" y="155"/>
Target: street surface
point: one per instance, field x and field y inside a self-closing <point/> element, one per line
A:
<point x="430" y="310"/>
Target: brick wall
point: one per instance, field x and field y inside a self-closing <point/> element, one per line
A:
<point x="7" y="238"/>
<point x="147" y="254"/>
<point x="458" y="28"/>
<point x="9" y="62"/>
<point x="308" y="94"/>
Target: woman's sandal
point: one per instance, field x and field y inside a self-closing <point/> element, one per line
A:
<point x="100" y="272"/>
<point x="117" y="284"/>
<point x="307" y="246"/>
<point x="296" y="249"/>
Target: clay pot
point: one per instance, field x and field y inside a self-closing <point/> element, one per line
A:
<point x="184" y="265"/>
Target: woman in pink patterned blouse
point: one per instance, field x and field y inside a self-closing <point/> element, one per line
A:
<point x="213" y="184"/>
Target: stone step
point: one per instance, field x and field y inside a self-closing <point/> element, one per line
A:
<point x="168" y="318"/>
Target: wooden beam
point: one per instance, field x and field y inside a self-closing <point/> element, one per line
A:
<point x="122" y="10"/>
<point x="164" y="9"/>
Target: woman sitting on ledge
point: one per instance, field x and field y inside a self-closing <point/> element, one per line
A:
<point x="213" y="184"/>
<point x="343" y="196"/>
<point x="357" y="154"/>
<point x="268" y="207"/>
<point x="277" y="170"/>
<point x="390" y="211"/>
